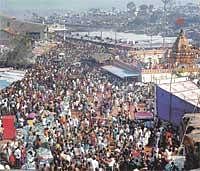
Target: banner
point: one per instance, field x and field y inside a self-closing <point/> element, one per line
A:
<point x="9" y="131"/>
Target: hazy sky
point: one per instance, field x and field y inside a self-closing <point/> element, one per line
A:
<point x="73" y="4"/>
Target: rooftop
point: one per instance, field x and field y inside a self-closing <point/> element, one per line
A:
<point x="102" y="57"/>
<point x="10" y="31"/>
<point x="120" y="72"/>
<point x="18" y="26"/>
<point x="185" y="90"/>
<point x="195" y="136"/>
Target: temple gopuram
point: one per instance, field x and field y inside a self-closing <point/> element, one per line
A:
<point x="182" y="53"/>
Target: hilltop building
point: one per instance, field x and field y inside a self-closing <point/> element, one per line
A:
<point x="10" y="27"/>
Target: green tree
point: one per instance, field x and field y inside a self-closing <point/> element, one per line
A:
<point x="131" y="7"/>
<point x="151" y="7"/>
<point x="21" y="55"/>
<point x="143" y="9"/>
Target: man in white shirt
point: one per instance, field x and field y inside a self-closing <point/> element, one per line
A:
<point x="18" y="154"/>
<point x="95" y="164"/>
<point x="111" y="163"/>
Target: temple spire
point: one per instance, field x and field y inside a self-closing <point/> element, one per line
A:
<point x="182" y="53"/>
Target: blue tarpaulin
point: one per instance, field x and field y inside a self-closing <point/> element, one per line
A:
<point x="171" y="106"/>
<point x="4" y="84"/>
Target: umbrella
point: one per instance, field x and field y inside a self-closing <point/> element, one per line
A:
<point x="32" y="115"/>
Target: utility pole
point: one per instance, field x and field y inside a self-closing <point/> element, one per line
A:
<point x="164" y="22"/>
<point x="151" y="36"/>
<point x="170" y="98"/>
<point x="64" y="34"/>
<point x="101" y="35"/>
<point x="173" y="71"/>
<point x="115" y="37"/>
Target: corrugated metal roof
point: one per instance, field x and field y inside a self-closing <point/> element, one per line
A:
<point x="185" y="90"/>
<point x="120" y="72"/>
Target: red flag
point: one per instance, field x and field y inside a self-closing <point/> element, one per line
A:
<point x="180" y="21"/>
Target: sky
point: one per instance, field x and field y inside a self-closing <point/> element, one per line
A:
<point x="77" y="5"/>
<point x="73" y="4"/>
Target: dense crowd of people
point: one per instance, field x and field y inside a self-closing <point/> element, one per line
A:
<point x="75" y="116"/>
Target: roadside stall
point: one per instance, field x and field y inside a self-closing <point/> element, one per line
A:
<point x="189" y="122"/>
<point x="145" y="117"/>
<point x="192" y="148"/>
